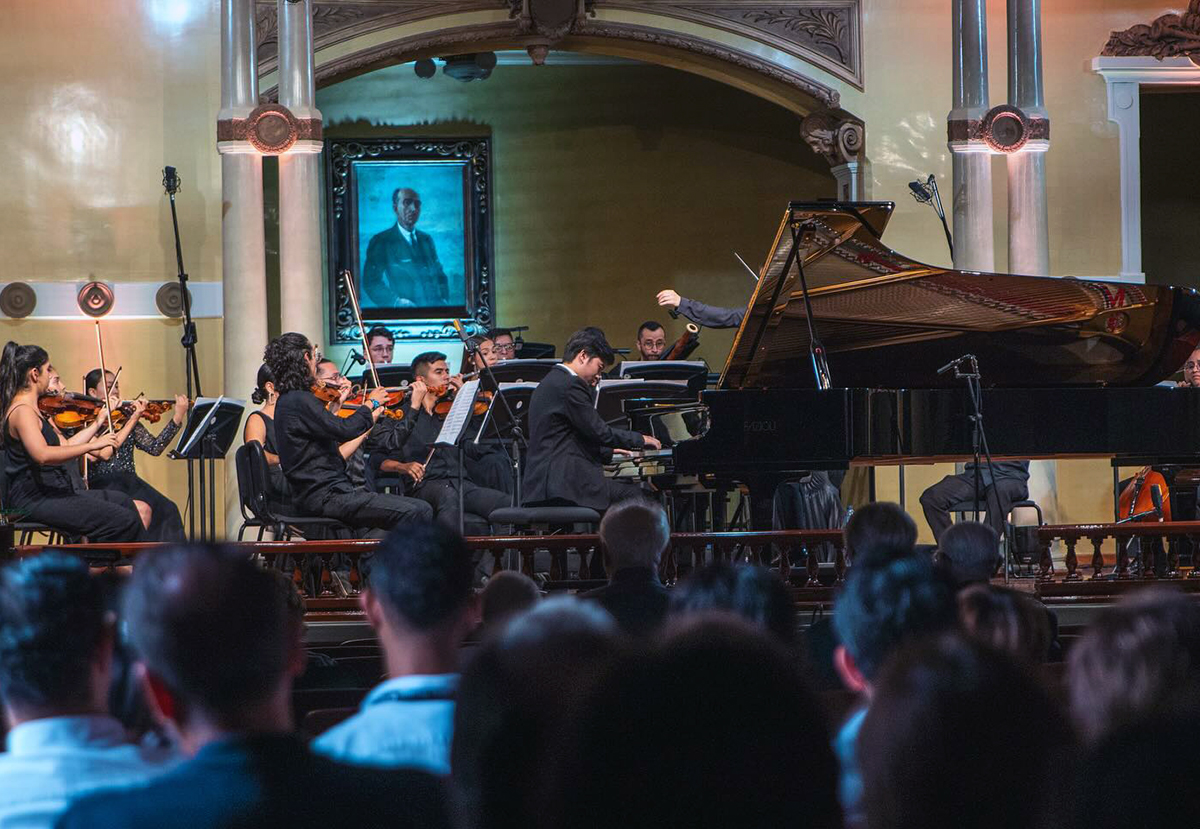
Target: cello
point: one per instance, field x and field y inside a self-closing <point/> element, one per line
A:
<point x="1137" y="500"/>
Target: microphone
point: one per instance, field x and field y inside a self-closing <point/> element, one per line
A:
<point x="674" y="313"/>
<point x="919" y="192"/>
<point x="1156" y="498"/>
<point x="957" y="361"/>
<point x="355" y="357"/>
<point x="170" y="180"/>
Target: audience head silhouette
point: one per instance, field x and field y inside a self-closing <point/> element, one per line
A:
<point x="634" y="533"/>
<point x="713" y="726"/>
<point x="971" y="550"/>
<point x="880" y="530"/>
<point x="55" y="644"/>
<point x="883" y="605"/>
<point x="506" y="594"/>
<point x="513" y="696"/>
<point x="754" y="593"/>
<point x="218" y="642"/>
<point x="420" y="579"/>
<point x="960" y="735"/>
<point x="1138" y="659"/>
<point x="1006" y="620"/>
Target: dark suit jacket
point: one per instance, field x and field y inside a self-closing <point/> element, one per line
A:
<point x="398" y="274"/>
<point x="569" y="444"/>
<point x="636" y="599"/>
<point x="267" y="780"/>
<point x="710" y="316"/>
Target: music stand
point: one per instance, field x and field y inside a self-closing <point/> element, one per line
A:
<point x="451" y="434"/>
<point x="390" y="375"/>
<point x="509" y="423"/>
<point x="208" y="434"/>
<point x="693" y="372"/>
<point x="614" y="394"/>
<point x="519" y="371"/>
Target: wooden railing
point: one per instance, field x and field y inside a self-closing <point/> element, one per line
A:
<point x="1156" y="539"/>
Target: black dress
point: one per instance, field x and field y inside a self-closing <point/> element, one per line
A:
<point x="120" y="474"/>
<point x="50" y="495"/>
<point x="276" y="481"/>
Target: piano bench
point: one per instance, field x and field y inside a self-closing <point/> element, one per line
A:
<point x="544" y="521"/>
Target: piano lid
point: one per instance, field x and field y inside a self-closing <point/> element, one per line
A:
<point x="888" y="321"/>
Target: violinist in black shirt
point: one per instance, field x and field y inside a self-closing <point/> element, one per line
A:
<point x="309" y="436"/>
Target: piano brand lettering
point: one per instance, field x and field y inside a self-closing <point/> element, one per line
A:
<point x="762" y="425"/>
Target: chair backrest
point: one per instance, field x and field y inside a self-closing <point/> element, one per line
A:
<point x="241" y="462"/>
<point x="257" y="474"/>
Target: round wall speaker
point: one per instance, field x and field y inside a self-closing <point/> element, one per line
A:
<point x="95" y="299"/>
<point x="169" y="300"/>
<point x="17" y="300"/>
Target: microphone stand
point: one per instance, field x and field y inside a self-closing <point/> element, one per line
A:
<point x="979" y="444"/>
<point x="171" y="183"/>
<point x="519" y="441"/>
<point x="926" y="192"/>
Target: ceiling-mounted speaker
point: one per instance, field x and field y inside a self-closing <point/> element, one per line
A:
<point x="17" y="300"/>
<point x="169" y="300"/>
<point x="95" y="299"/>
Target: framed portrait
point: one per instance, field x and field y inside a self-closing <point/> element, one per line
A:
<point x="410" y="220"/>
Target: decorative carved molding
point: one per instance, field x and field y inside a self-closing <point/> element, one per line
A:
<point x="1171" y="35"/>
<point x="825" y="32"/>
<point x="550" y="19"/>
<point x="835" y="135"/>
<point x="270" y="128"/>
<point x="457" y="39"/>
<point x="1005" y="129"/>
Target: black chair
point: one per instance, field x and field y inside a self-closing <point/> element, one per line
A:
<point x="548" y="521"/>
<point x="285" y="525"/>
<point x="246" y="502"/>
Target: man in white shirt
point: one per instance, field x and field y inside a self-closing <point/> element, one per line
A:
<point x="56" y="651"/>
<point x="420" y="603"/>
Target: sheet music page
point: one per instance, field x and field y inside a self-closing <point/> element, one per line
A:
<point x="204" y="421"/>
<point x="460" y="413"/>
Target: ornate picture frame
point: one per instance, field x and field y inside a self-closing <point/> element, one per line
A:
<point x="410" y="219"/>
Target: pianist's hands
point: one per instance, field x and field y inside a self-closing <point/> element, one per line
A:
<point x="668" y="298"/>
<point x="651" y="442"/>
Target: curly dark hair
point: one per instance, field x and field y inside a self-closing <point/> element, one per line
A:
<point x="755" y="593"/>
<point x="422" y="573"/>
<point x="285" y="359"/>
<point x="51" y="623"/>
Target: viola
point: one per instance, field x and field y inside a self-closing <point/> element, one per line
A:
<point x="70" y="411"/>
<point x="444" y="401"/>
<point x="391" y="406"/>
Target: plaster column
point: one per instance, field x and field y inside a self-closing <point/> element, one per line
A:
<point x="974" y="245"/>
<point x="1028" y="219"/>
<point x="1124" y="109"/>
<point x="243" y="259"/>
<point x="301" y="277"/>
<point x="848" y="177"/>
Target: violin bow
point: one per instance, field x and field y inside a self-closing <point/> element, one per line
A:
<point x="104" y="379"/>
<point x="362" y="329"/>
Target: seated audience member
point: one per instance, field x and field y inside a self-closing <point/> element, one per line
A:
<point x="633" y="537"/>
<point x="421" y="606"/>
<point x="126" y="699"/>
<point x="506" y="594"/>
<point x="880" y="529"/>
<point x="1138" y="659"/>
<point x="1161" y="753"/>
<point x="961" y="735"/>
<point x="883" y="605"/>
<point x="219" y="648"/>
<point x="756" y="594"/>
<point x="1005" y="620"/>
<point x="514" y="695"/>
<point x="714" y="726"/>
<point x="971" y="551"/>
<point x="55" y="661"/>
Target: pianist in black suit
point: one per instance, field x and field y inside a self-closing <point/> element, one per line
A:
<point x="569" y="442"/>
<point x="1010" y="485"/>
<point x="402" y="268"/>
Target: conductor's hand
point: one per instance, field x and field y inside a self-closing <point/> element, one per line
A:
<point x="668" y="298"/>
<point x="651" y="442"/>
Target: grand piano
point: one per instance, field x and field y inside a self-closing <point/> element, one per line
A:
<point x="1068" y="366"/>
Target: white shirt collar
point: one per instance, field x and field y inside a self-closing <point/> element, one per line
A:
<point x="569" y="369"/>
<point x="410" y="235"/>
<point x="92" y="731"/>
<point x="415" y="686"/>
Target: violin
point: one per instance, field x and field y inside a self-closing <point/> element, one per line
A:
<point x="70" y="411"/>
<point x="444" y="401"/>
<point x="153" y="412"/>
<point x="329" y="392"/>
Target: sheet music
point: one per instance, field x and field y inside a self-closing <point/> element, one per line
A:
<point x="460" y="414"/>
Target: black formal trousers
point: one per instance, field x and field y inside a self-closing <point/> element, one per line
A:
<point x="165" y="521"/>
<point x="365" y="510"/>
<point x="99" y="514"/>
<point x="442" y="495"/>
<point x="954" y="489"/>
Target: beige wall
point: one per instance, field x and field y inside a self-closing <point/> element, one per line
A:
<point x="96" y="99"/>
<point x="610" y="183"/>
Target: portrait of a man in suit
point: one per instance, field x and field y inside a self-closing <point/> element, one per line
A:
<point x="402" y="269"/>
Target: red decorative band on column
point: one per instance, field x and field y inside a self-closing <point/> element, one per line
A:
<point x="270" y="128"/>
<point x="1005" y="129"/>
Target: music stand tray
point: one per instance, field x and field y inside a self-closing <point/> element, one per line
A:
<point x="497" y="425"/>
<point x="519" y="371"/>
<point x="211" y="428"/>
